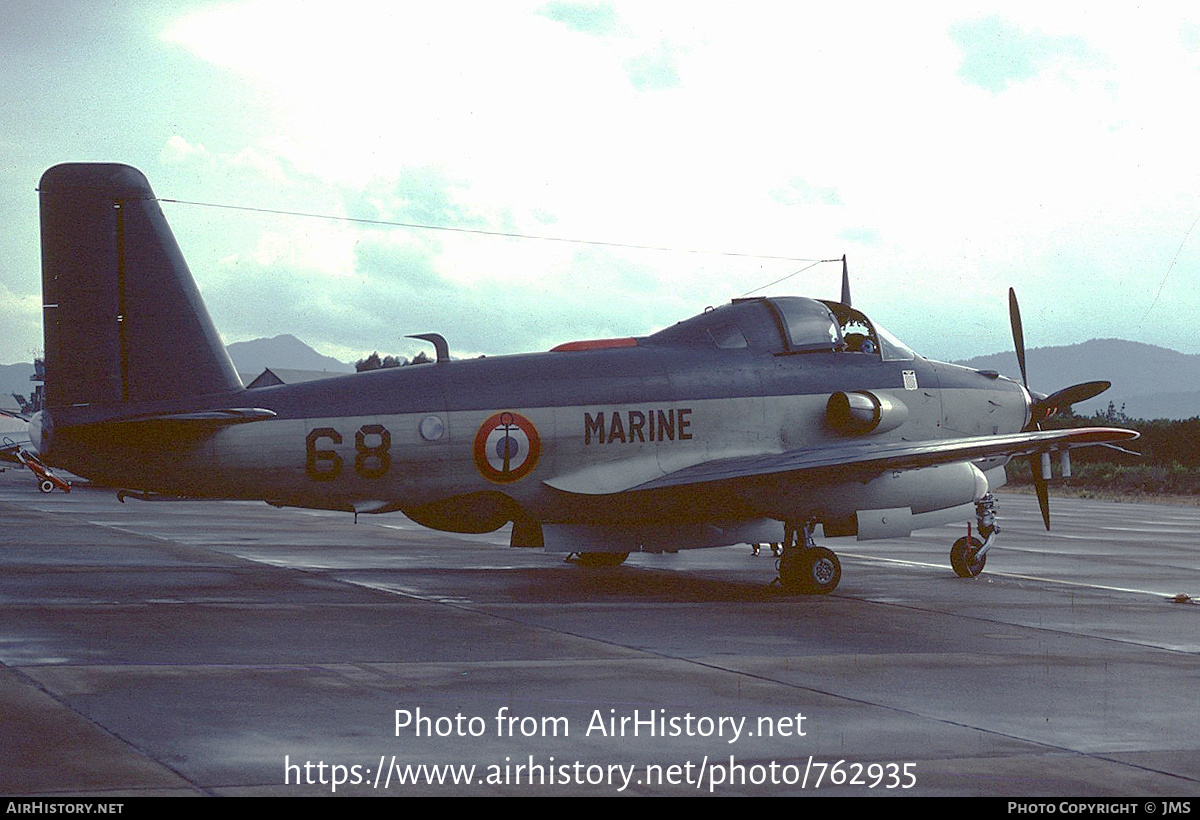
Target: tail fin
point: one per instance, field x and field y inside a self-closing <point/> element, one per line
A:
<point x="124" y="322"/>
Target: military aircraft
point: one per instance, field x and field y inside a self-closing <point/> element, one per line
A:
<point x="15" y="447"/>
<point x="755" y="421"/>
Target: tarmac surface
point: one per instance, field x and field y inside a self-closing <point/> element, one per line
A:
<point x="216" y="648"/>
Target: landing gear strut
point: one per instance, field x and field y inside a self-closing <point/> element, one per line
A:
<point x="804" y="567"/>
<point x="968" y="555"/>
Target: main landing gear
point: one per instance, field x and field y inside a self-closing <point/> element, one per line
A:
<point x="804" y="567"/>
<point x="968" y="555"/>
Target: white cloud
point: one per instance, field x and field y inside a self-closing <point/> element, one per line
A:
<point x="21" y="314"/>
<point x="758" y="127"/>
<point x="179" y="151"/>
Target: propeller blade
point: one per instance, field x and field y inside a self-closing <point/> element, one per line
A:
<point x="1060" y="400"/>
<point x="1014" y="318"/>
<point x="1039" y="486"/>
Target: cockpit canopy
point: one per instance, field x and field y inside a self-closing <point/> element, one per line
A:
<point x="785" y="325"/>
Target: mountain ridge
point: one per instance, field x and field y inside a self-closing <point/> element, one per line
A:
<point x="283" y="351"/>
<point x="1148" y="381"/>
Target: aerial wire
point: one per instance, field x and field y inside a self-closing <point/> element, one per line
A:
<point x="504" y="234"/>
<point x="815" y="262"/>
<point x="1170" y="267"/>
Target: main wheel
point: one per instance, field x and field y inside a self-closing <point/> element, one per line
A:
<point x="965" y="559"/>
<point x="812" y="571"/>
<point x="46" y="485"/>
<point x="602" y="559"/>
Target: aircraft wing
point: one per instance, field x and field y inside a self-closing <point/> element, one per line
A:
<point x="875" y="457"/>
<point x="866" y="458"/>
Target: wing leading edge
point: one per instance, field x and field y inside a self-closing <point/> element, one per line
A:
<point x="868" y="458"/>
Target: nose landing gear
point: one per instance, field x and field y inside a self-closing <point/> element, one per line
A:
<point x="968" y="555"/>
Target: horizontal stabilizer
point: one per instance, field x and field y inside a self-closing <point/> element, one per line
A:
<point x="233" y="415"/>
<point x="202" y="418"/>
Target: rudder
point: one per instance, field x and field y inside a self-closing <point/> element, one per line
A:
<point x="123" y="320"/>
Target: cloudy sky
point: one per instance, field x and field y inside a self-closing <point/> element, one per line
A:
<point x="949" y="150"/>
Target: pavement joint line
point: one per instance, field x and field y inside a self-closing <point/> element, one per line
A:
<point x="776" y="682"/>
<point x="1019" y="576"/>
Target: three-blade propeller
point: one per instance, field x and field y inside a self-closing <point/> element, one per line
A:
<point x="1043" y="407"/>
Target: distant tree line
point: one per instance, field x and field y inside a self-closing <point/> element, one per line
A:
<point x="374" y="362"/>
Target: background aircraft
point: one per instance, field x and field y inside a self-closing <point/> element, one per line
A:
<point x="756" y="421"/>
<point x="16" y="448"/>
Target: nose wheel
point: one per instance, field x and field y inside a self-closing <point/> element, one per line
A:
<point x="969" y="555"/>
<point x="965" y="557"/>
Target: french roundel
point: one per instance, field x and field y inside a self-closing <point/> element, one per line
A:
<point x="507" y="447"/>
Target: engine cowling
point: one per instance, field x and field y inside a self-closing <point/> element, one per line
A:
<point x="860" y="412"/>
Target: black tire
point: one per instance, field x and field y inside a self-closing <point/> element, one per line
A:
<point x="602" y="559"/>
<point x="812" y="571"/>
<point x="963" y="557"/>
